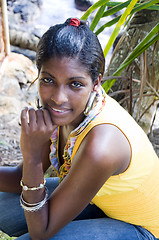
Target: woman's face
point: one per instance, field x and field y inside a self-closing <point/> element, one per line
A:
<point x="64" y="89"/>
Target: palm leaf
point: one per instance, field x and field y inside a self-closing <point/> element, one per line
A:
<point x="152" y="7"/>
<point x="97" y="17"/>
<point x="151" y="38"/>
<point x="118" y="26"/>
<point x="93" y="7"/>
<point x="116" y="8"/>
<point x="132" y="7"/>
<point x="108" y="24"/>
<point x="155" y="7"/>
<point x="119" y="6"/>
<point x="145" y="5"/>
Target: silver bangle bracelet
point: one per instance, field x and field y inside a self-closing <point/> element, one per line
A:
<point x="33" y="207"/>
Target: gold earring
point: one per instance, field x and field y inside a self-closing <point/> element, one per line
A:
<point x="90" y="103"/>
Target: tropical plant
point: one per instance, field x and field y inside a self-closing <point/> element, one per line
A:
<point x="114" y="7"/>
<point x="105" y="8"/>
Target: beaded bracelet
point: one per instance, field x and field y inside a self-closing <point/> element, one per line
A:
<point x="33" y="207"/>
<point x="26" y="188"/>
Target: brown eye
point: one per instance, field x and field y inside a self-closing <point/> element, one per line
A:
<point x="47" y="80"/>
<point x="76" y="84"/>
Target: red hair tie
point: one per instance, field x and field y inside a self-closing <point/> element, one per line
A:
<point x="74" y="22"/>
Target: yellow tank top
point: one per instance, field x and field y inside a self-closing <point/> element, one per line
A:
<point x="132" y="196"/>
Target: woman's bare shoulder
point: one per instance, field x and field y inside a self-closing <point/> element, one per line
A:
<point x="107" y="146"/>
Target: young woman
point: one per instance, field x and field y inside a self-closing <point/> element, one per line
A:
<point x="107" y="171"/>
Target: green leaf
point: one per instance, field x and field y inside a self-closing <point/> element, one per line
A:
<point x="118" y="26"/>
<point x="131" y="7"/>
<point x="151" y="38"/>
<point x="108" y="24"/>
<point x="155" y="7"/>
<point x="135" y="54"/>
<point x="119" y="6"/>
<point x="152" y="7"/>
<point x="116" y="8"/>
<point x="97" y="17"/>
<point x="93" y="7"/>
<point x="143" y="43"/>
<point x="145" y="5"/>
<point x="108" y="84"/>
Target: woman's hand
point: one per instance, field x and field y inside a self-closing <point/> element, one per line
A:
<point x="36" y="129"/>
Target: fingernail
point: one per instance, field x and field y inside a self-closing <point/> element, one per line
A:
<point x="24" y="108"/>
<point x="30" y="108"/>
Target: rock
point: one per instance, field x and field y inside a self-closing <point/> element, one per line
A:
<point x="14" y="94"/>
<point x="154" y="138"/>
<point x="9" y="105"/>
<point x="25" y="10"/>
<point x="20" y="68"/>
<point x="21" y="18"/>
<point x="23" y="39"/>
<point x="26" y="52"/>
<point x="9" y="86"/>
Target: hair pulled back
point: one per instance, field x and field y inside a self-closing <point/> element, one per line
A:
<point x="65" y="40"/>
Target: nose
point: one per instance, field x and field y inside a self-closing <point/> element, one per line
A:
<point x="59" y="96"/>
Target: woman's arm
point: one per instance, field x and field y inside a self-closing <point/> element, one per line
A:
<point x="10" y="179"/>
<point x="10" y="176"/>
<point x="104" y="152"/>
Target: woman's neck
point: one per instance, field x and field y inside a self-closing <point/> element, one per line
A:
<point x="66" y="130"/>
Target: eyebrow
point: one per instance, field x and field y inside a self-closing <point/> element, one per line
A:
<point x="77" y="77"/>
<point x="48" y="74"/>
<point x="72" y="78"/>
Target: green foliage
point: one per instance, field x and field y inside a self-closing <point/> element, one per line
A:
<point x="97" y="17"/>
<point x="118" y="26"/>
<point x="150" y="39"/>
<point x="132" y="6"/>
<point x="4" y="236"/>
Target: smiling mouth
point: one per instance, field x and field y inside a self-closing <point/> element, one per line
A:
<point x="59" y="110"/>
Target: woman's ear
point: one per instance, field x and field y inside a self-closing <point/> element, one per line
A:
<point x="97" y="83"/>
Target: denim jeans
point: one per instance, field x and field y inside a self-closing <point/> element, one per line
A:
<point x="92" y="223"/>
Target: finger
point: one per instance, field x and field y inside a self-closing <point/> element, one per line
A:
<point x="24" y="119"/>
<point x="32" y="117"/>
<point x="40" y="117"/>
<point x="47" y="117"/>
<point x="48" y="120"/>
